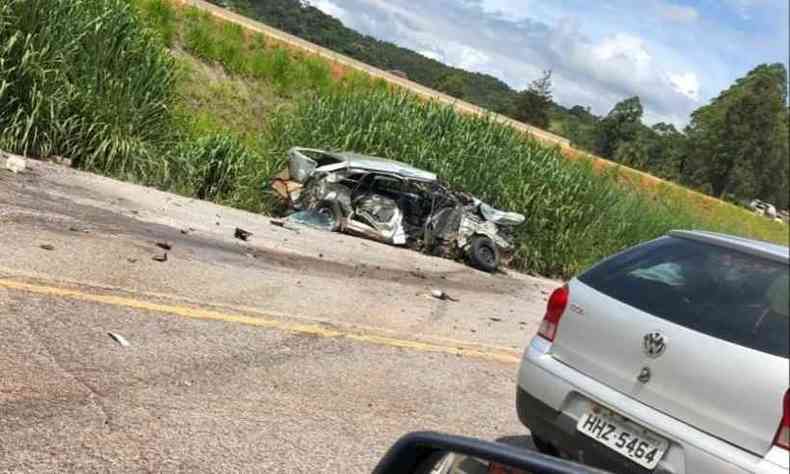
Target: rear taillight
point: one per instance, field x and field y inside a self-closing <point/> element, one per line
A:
<point x="557" y="303"/>
<point x="783" y="435"/>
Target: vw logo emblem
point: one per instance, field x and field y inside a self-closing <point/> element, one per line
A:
<point x="654" y="344"/>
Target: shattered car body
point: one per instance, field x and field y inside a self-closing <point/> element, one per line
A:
<point x="395" y="203"/>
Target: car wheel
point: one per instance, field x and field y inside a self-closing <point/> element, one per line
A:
<point x="483" y="254"/>
<point x="544" y="446"/>
<point x="332" y="210"/>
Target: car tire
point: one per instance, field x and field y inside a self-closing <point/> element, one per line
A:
<point x="544" y="446"/>
<point x="332" y="208"/>
<point x="483" y="254"/>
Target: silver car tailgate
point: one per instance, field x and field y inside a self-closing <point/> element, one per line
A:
<point x="717" y="385"/>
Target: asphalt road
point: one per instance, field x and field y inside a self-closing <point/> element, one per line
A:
<point x="297" y="351"/>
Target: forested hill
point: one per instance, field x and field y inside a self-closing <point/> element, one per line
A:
<point x="311" y="24"/>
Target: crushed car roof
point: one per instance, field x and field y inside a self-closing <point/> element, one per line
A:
<point x="374" y="163"/>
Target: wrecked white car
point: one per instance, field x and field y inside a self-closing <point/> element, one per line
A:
<point x="394" y="203"/>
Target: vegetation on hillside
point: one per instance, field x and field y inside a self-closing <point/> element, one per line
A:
<point x="230" y="104"/>
<point x="735" y="148"/>
<point x="310" y="23"/>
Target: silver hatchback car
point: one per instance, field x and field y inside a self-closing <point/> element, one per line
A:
<point x="670" y="357"/>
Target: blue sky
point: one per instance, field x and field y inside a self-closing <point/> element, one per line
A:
<point x="675" y="54"/>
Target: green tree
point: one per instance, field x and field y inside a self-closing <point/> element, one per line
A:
<point x="738" y="143"/>
<point x="621" y="125"/>
<point x="667" y="151"/>
<point x="452" y="84"/>
<point x="534" y="103"/>
<point x="580" y="132"/>
<point x="633" y="153"/>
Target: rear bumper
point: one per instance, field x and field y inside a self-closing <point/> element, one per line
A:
<point x="559" y="429"/>
<point x="551" y="397"/>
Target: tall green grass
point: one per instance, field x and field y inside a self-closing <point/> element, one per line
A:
<point x="161" y="17"/>
<point x="83" y="78"/>
<point x="247" y="54"/>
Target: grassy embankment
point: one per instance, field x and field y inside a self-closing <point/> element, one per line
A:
<point x="172" y="98"/>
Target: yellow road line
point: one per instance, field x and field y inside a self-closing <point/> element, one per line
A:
<point x="343" y="326"/>
<point x="211" y="315"/>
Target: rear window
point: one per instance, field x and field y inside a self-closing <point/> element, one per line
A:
<point x="723" y="293"/>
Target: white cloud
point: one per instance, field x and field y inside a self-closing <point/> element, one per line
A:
<point x="466" y="57"/>
<point x="329" y="8"/>
<point x="623" y="47"/>
<point x="687" y="84"/>
<point x="432" y="55"/>
<point x="679" y="13"/>
<point x="600" y="53"/>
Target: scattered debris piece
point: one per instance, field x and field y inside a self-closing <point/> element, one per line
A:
<point x="320" y="255"/>
<point x="164" y="245"/>
<point x="185" y="231"/>
<point x="119" y="339"/>
<point x="320" y="219"/>
<point x="15" y="164"/>
<point x="284" y="224"/>
<point x="47" y="246"/>
<point x="441" y="295"/>
<point x="419" y="275"/>
<point x="242" y="234"/>
<point x="160" y="258"/>
<point x="496" y="320"/>
<point x="134" y="212"/>
<point x="131" y="260"/>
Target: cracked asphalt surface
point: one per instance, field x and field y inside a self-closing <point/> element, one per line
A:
<point x="222" y="395"/>
<point x="205" y="396"/>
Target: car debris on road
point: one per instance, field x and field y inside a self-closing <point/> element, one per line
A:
<point x="15" y="164"/>
<point x="119" y="339"/>
<point x="395" y="203"/>
<point x="242" y="234"/>
<point x="441" y="295"/>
